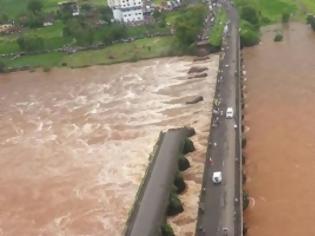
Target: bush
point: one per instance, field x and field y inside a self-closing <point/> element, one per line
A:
<point x="278" y="37"/>
<point x="183" y="163"/>
<point x="188" y="146"/>
<point x="2" y="67"/>
<point x="179" y="183"/>
<point x="245" y="200"/>
<point x="30" y="44"/>
<point x="249" y="34"/>
<point x="167" y="230"/>
<point x="189" y="24"/>
<point x="285" y="17"/>
<point x="310" y="19"/>
<point x="46" y="69"/>
<point x="250" y="14"/>
<point x="190" y="131"/>
<point x="244" y="142"/>
<point x="175" y="206"/>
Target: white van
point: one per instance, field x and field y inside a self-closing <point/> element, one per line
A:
<point x="229" y="113"/>
<point x="217" y="177"/>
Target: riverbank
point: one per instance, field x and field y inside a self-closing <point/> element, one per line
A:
<point x="133" y="51"/>
<point x="280" y="131"/>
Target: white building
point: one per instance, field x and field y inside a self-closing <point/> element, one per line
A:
<point x="127" y="10"/>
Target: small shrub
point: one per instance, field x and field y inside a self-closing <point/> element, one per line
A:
<point x="167" y="230"/>
<point x="2" y="67"/>
<point x="278" y="37"/>
<point x="46" y="69"/>
<point x="183" y="163"/>
<point x="285" y="17"/>
<point x="245" y="200"/>
<point x="175" y="206"/>
<point x="179" y="183"/>
<point x="244" y="142"/>
<point x="244" y="178"/>
<point x="188" y="146"/>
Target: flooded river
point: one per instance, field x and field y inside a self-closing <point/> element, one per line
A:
<point x="280" y="114"/>
<point x="74" y="144"/>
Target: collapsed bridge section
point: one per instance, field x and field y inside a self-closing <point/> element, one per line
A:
<point x="148" y="215"/>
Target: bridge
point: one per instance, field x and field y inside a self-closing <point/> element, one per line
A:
<point x="221" y="206"/>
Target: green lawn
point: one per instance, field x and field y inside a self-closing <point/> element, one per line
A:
<point x="271" y="10"/>
<point x="52" y="36"/>
<point x="136" y="50"/>
<point x="215" y="37"/>
<point x="15" y="7"/>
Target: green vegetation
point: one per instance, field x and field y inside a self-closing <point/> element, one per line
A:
<point x="249" y="34"/>
<point x="138" y="49"/>
<point x="285" y="17"/>
<point x="278" y="37"/>
<point x="167" y="230"/>
<point x="175" y="206"/>
<point x="14" y="8"/>
<point x="188" y="24"/>
<point x="179" y="183"/>
<point x="216" y="34"/>
<point x="256" y="13"/>
<point x="188" y="146"/>
<point x="245" y="200"/>
<point x="2" y="67"/>
<point x="311" y="21"/>
<point x="183" y="163"/>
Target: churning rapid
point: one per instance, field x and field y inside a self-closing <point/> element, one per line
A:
<point x="280" y="162"/>
<point x="74" y="144"/>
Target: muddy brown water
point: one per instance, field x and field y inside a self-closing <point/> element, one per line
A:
<point x="74" y="144"/>
<point x="280" y="113"/>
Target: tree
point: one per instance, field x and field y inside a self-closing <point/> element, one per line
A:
<point x="35" y="6"/>
<point x="189" y="24"/>
<point x="2" y="67"/>
<point x="250" y="14"/>
<point x="285" y="17"/>
<point x="278" y="37"/>
<point x="311" y="21"/>
<point x="106" y="14"/>
<point x="113" y="33"/>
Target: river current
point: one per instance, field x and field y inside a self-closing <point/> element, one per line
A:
<point x="74" y="143"/>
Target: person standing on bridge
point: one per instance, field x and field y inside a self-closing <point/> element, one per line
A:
<point x="210" y="161"/>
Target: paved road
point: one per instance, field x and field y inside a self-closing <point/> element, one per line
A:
<point x="218" y="203"/>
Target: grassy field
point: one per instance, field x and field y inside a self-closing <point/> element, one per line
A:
<point x="133" y="51"/>
<point x="52" y="35"/>
<point x="215" y="37"/>
<point x="13" y="8"/>
<point x="272" y="10"/>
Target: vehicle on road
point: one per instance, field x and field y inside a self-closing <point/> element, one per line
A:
<point x="225" y="231"/>
<point x="217" y="177"/>
<point x="229" y="112"/>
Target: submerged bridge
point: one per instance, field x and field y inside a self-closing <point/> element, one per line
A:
<point x="149" y="212"/>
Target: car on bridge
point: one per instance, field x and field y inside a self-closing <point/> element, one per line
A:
<point x="217" y="177"/>
<point x="229" y="113"/>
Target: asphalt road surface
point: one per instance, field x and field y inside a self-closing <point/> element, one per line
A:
<point x="218" y="202"/>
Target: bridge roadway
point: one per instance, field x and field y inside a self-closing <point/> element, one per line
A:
<point x="220" y="204"/>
